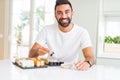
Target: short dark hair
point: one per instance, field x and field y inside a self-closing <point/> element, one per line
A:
<point x="60" y="2"/>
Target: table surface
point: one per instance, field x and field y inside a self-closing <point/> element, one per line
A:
<point x="8" y="71"/>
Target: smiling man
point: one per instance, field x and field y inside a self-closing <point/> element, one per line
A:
<point x="65" y="39"/>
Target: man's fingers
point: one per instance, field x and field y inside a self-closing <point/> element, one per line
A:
<point x="82" y="65"/>
<point x="44" y="48"/>
<point x="79" y="64"/>
<point x="42" y="51"/>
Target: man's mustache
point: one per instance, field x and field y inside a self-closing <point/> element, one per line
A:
<point x="63" y="19"/>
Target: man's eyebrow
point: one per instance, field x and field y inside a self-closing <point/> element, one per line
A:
<point x="65" y="10"/>
<point x="58" y="11"/>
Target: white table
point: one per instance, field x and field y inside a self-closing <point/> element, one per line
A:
<point x="8" y="71"/>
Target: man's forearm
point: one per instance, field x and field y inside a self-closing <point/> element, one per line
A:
<point x="88" y="54"/>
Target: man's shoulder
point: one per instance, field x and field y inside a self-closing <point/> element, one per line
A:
<point x="49" y="28"/>
<point x="78" y="27"/>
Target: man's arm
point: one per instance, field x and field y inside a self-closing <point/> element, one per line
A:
<point x="89" y="59"/>
<point x="88" y="54"/>
<point x="37" y="50"/>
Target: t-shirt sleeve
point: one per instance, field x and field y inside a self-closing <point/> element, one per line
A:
<point x="41" y="37"/>
<point x="85" y="40"/>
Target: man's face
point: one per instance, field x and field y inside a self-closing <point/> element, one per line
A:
<point x="63" y="15"/>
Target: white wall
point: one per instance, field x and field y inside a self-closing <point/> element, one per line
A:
<point x="111" y="5"/>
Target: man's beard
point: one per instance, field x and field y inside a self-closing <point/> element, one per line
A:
<point x="64" y="24"/>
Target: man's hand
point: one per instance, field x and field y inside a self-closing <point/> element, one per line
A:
<point x="89" y="59"/>
<point x="82" y="65"/>
<point x="37" y="50"/>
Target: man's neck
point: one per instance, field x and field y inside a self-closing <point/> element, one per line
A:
<point x="66" y="29"/>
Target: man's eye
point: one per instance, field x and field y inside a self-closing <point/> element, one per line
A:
<point x="67" y="12"/>
<point x="59" y="13"/>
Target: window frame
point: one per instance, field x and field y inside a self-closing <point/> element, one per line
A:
<point x="101" y="31"/>
<point x="8" y="26"/>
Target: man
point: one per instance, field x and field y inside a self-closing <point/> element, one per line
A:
<point x="65" y="39"/>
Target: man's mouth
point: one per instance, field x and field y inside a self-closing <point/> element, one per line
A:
<point x="64" y="20"/>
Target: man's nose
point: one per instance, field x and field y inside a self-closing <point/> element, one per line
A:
<point x="64" y="15"/>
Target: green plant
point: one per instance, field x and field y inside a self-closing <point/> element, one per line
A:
<point x="108" y="39"/>
<point x="18" y="34"/>
<point x="24" y="18"/>
<point x="116" y="40"/>
<point x="40" y="13"/>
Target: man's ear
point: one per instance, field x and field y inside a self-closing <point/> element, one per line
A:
<point x="72" y="13"/>
<point x="55" y="15"/>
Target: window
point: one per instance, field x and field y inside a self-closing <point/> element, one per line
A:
<point x="112" y="26"/>
<point x="28" y="18"/>
<point x="109" y="29"/>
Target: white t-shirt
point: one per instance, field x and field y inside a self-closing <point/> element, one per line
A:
<point x="66" y="46"/>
